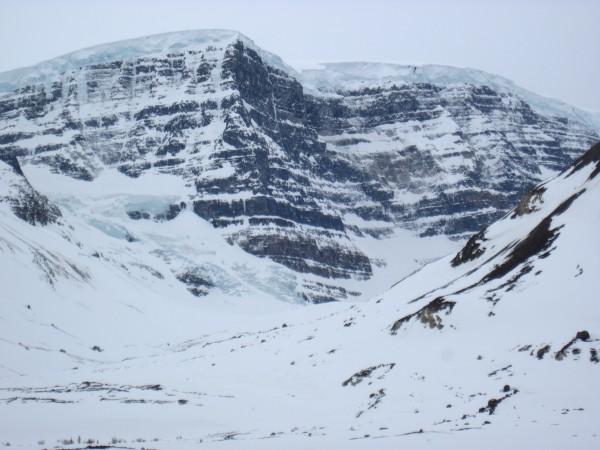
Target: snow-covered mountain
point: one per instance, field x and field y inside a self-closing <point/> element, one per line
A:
<point x="328" y="180"/>
<point x="496" y="345"/>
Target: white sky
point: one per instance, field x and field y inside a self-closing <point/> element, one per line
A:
<point x="551" y="47"/>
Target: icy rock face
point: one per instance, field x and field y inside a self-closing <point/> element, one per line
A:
<point x="278" y="161"/>
<point x="455" y="157"/>
<point x="216" y="115"/>
<point x="25" y="202"/>
<point x="276" y="164"/>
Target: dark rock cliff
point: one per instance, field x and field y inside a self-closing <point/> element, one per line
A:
<point x="26" y="203"/>
<point x="279" y="170"/>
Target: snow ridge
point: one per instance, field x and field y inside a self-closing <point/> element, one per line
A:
<point x="329" y="78"/>
<point x="356" y="75"/>
<point x="148" y="46"/>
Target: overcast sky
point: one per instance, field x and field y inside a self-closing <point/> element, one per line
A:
<point x="551" y="47"/>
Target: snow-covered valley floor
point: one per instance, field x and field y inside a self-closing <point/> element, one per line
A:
<point x="331" y="376"/>
<point x="105" y="348"/>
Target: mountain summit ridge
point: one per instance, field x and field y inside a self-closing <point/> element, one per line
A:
<point x="314" y="182"/>
<point x="163" y="43"/>
<point x="145" y="46"/>
<point x="355" y="74"/>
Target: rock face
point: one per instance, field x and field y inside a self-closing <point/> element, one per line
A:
<point x="453" y="156"/>
<point x="282" y="163"/>
<point x="25" y="202"/>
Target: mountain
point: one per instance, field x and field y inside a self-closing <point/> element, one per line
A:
<point x="319" y="177"/>
<point x="495" y="345"/>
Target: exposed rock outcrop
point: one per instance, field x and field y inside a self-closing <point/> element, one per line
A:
<point x="277" y="166"/>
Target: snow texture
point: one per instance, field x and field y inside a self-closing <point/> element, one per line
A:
<point x="128" y="321"/>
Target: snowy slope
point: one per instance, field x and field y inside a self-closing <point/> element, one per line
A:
<point x="95" y="232"/>
<point x="496" y="346"/>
